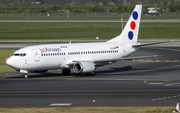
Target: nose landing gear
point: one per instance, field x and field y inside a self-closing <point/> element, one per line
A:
<point x="24" y="73"/>
<point x="25" y="76"/>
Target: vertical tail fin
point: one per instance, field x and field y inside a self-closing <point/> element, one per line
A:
<point x="131" y="30"/>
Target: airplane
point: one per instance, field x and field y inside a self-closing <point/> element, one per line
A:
<point x="81" y="57"/>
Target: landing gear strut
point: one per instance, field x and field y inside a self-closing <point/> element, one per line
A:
<point x="66" y="71"/>
<point x="25" y="76"/>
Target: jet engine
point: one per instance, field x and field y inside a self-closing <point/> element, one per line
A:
<point x="84" y="67"/>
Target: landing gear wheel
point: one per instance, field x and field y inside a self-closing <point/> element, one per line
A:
<point x="66" y="71"/>
<point x="25" y="76"/>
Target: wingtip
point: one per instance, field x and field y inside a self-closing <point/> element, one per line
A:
<point x="160" y="55"/>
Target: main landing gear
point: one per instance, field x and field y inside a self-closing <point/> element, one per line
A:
<point x="90" y="74"/>
<point x="66" y="71"/>
<point x="25" y="76"/>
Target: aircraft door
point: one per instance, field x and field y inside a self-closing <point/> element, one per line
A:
<point x="36" y="55"/>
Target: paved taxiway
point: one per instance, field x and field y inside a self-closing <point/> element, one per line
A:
<point x="119" y="84"/>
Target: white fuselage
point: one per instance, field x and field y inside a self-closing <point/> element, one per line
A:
<point x="56" y="56"/>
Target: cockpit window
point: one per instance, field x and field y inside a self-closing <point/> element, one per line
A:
<point x="19" y="54"/>
<point x="23" y="54"/>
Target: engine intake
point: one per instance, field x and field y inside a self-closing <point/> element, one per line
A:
<point x="83" y="67"/>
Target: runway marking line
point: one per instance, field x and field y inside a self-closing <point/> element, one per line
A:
<point x="134" y="71"/>
<point x="166" y="49"/>
<point x="169" y="97"/>
<point x="60" y="104"/>
<point x="170" y="67"/>
<point x="172" y="84"/>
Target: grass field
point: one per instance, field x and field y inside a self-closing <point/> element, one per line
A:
<point x="90" y="110"/>
<point x="5" y="53"/>
<point x="83" y="31"/>
<point x="80" y="16"/>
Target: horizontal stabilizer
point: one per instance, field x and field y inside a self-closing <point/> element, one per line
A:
<point x="152" y="43"/>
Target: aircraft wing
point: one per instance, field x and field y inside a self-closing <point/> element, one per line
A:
<point x="108" y="61"/>
<point x="127" y="58"/>
<point x="152" y="43"/>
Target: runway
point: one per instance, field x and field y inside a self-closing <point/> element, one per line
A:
<point x="147" y="82"/>
<point x="87" y="93"/>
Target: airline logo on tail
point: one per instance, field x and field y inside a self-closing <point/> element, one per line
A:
<point x="131" y="29"/>
<point x="133" y="25"/>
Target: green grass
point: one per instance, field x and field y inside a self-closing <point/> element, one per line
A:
<point x="81" y="16"/>
<point x="90" y="110"/>
<point x="82" y="31"/>
<point x="5" y="53"/>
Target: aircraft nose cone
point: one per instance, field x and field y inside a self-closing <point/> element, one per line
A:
<point x="10" y="62"/>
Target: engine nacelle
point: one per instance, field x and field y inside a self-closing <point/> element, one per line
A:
<point x="83" y="67"/>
